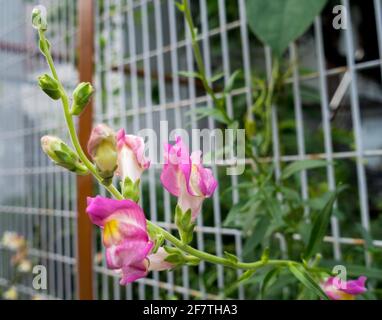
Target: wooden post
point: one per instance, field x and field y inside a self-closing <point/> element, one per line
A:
<point x="84" y="183"/>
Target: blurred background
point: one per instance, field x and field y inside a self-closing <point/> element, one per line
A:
<point x="331" y="109"/>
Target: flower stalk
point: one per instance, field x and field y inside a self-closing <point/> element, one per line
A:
<point x="117" y="195"/>
<point x="181" y="244"/>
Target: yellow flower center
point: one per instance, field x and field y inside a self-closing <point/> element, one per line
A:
<point x="111" y="233"/>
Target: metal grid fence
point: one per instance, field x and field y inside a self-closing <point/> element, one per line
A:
<point x="140" y="48"/>
<point x="38" y="199"/>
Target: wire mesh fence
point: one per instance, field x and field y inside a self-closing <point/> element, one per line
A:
<point x="141" y="49"/>
<point x="38" y="201"/>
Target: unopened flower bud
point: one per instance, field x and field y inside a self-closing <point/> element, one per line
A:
<point x="50" y="86"/>
<point x="62" y="155"/>
<point x="81" y="97"/>
<point x="39" y="18"/>
<point x="102" y="146"/>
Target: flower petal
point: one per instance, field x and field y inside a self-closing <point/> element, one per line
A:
<point x="133" y="272"/>
<point x="356" y="286"/>
<point x="129" y="252"/>
<point x="100" y="208"/>
<point x="136" y="144"/>
<point x="157" y="261"/>
<point x="177" y="164"/>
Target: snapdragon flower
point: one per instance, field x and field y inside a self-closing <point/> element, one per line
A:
<point x="131" y="158"/>
<point x="13" y="241"/>
<point x="346" y="290"/>
<point x="184" y="176"/>
<point x="125" y="237"/>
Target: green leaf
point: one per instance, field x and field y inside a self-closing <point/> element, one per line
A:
<point x="180" y="6"/>
<point x="215" y="113"/>
<point x="246" y="275"/>
<point x="175" y="259"/>
<point x="67" y="150"/>
<point x="217" y="77"/>
<point x="186" y="219"/>
<point x="130" y="189"/>
<point x="257" y="235"/>
<point x="265" y="255"/>
<point x="271" y="275"/>
<point x="277" y="23"/>
<point x="158" y="242"/>
<point x="366" y="235"/>
<point x="44" y="45"/>
<point x="301" y="165"/>
<point x="189" y="74"/>
<point x="305" y="278"/>
<point x="231" y="81"/>
<point x="320" y="227"/>
<point x="232" y="258"/>
<point x="64" y="157"/>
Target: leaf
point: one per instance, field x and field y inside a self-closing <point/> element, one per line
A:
<point x="64" y="157"/>
<point x="265" y="255"/>
<point x="189" y="74"/>
<point x="305" y="278"/>
<point x="232" y="258"/>
<point x="258" y="234"/>
<point x="44" y="45"/>
<point x="231" y="81"/>
<point x="368" y="239"/>
<point x="175" y="259"/>
<point x="279" y="22"/>
<point x="186" y="219"/>
<point x="239" y="186"/>
<point x="320" y="226"/>
<point x="180" y="6"/>
<point x="267" y="280"/>
<point x="301" y="165"/>
<point x="217" y="77"/>
<point x="246" y="275"/>
<point x="215" y="113"/>
<point x="236" y="214"/>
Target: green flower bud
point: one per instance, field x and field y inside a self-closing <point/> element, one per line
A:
<point x="39" y="18"/>
<point x="102" y="147"/>
<point x="50" y="86"/>
<point x="81" y="97"/>
<point x="62" y="155"/>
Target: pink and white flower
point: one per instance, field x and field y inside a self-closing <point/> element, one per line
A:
<point x="344" y="290"/>
<point x="125" y="236"/>
<point x="185" y="177"/>
<point x="157" y="261"/>
<point x="131" y="157"/>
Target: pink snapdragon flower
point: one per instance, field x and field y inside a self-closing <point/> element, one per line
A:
<point x="185" y="177"/>
<point x="346" y="290"/>
<point x="131" y="157"/>
<point x="125" y="236"/>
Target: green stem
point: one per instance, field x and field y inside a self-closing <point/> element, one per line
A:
<point x="215" y="259"/>
<point x="198" y="55"/>
<point x="69" y="119"/>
